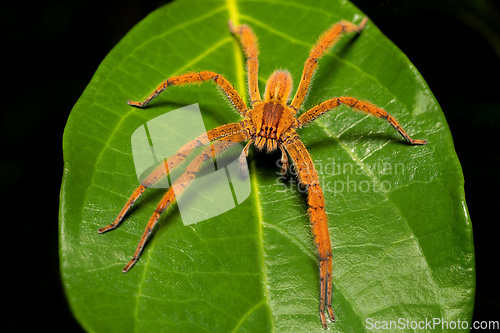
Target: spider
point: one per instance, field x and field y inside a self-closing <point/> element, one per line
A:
<point x="270" y="123"/>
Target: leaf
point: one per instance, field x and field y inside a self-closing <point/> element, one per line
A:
<point x="399" y="226"/>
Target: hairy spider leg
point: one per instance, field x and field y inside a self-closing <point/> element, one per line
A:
<point x="170" y="164"/>
<point x="133" y="198"/>
<point x="367" y="107"/>
<point x="248" y="42"/>
<point x="226" y="87"/>
<point x="317" y="216"/>
<point x="180" y="185"/>
<point x="326" y="41"/>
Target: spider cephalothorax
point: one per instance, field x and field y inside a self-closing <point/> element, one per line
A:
<point x="270" y="124"/>
<point x="272" y="119"/>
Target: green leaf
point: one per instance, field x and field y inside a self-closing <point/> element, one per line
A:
<point x="399" y="226"/>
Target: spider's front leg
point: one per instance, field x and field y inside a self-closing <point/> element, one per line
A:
<point x="318" y="219"/>
<point x="326" y="41"/>
<point x="249" y="44"/>
<point x="226" y="87"/>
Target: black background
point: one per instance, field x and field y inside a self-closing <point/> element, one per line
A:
<point x="52" y="48"/>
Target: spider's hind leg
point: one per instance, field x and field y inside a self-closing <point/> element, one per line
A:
<point x="133" y="198"/>
<point x="180" y="185"/>
<point x="318" y="219"/>
<point x="170" y="164"/>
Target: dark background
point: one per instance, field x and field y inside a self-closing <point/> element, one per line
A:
<point x="52" y="48"/>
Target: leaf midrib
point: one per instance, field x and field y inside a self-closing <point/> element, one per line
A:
<point x="240" y="76"/>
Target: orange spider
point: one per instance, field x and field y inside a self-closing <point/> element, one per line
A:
<point x="269" y="124"/>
